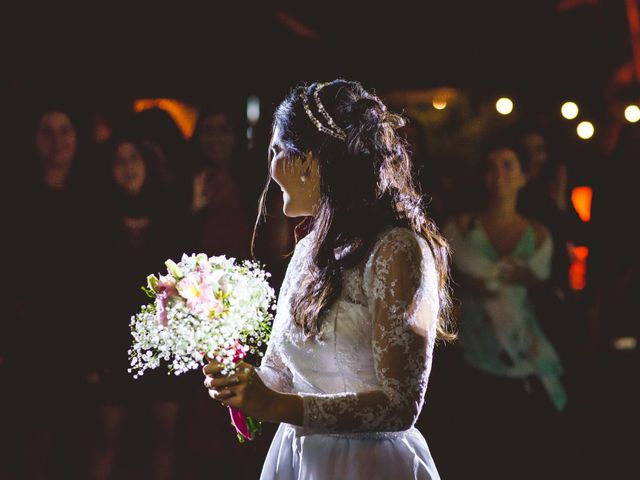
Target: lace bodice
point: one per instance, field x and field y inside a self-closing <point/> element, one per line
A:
<point x="368" y="369"/>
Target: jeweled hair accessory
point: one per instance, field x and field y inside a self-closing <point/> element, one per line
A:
<point x="331" y="128"/>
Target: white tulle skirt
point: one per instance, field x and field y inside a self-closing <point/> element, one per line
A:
<point x="366" y="456"/>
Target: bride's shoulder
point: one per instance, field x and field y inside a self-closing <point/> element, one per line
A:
<point x="398" y="239"/>
<point x="304" y="244"/>
<point x="399" y="255"/>
<point x="398" y="244"/>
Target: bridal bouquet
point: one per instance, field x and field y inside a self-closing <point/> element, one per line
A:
<point x="204" y="308"/>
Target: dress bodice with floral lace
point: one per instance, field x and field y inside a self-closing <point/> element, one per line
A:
<point x="367" y="370"/>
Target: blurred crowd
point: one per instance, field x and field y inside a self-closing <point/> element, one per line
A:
<point x="88" y="217"/>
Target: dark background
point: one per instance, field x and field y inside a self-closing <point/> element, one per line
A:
<point x="99" y="57"/>
<point x="105" y="50"/>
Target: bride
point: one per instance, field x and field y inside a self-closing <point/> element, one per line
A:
<point x="364" y="298"/>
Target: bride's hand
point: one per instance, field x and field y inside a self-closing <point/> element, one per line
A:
<point x="244" y="390"/>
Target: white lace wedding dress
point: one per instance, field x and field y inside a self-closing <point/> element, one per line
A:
<point x="364" y="379"/>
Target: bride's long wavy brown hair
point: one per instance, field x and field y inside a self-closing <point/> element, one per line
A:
<point x="366" y="186"/>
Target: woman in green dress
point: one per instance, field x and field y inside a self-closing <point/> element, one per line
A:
<point x="511" y="392"/>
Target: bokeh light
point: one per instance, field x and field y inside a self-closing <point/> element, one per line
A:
<point x="569" y="110"/>
<point x="184" y="115"/>
<point x="585" y="130"/>
<point x="504" y="106"/>
<point x="581" y="200"/>
<point x="439" y="103"/>
<point x="632" y="113"/>
<point x="253" y="110"/>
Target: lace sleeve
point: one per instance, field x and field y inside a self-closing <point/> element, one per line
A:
<point x="273" y="371"/>
<point x="401" y="284"/>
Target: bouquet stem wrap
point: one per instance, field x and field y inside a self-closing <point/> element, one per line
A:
<point x="246" y="427"/>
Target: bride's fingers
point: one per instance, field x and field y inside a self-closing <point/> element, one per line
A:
<point x="221" y="395"/>
<point x="213" y="382"/>
<point x="244" y="371"/>
<point x="212" y="368"/>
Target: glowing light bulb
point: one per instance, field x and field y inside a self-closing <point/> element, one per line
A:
<point x="439" y="103"/>
<point x="569" y="110"/>
<point x="632" y="113"/>
<point x="585" y="130"/>
<point x="504" y="106"/>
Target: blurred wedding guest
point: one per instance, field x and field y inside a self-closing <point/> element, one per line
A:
<point x="511" y="386"/>
<point x="547" y="198"/>
<point x="438" y="177"/>
<point x="157" y="130"/>
<point x="142" y="230"/>
<point x="53" y="261"/>
<point x="222" y="194"/>
<point x="221" y="197"/>
<point x="446" y="183"/>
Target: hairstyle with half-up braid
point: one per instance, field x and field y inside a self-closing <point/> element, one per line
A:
<point x="366" y="186"/>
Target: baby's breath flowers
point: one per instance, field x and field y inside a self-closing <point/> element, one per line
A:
<point x="203" y="307"/>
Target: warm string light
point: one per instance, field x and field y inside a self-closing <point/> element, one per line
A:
<point x="632" y="113"/>
<point x="569" y="110"/>
<point x="439" y="103"/>
<point x="185" y="115"/>
<point x="585" y="130"/>
<point x="504" y="105"/>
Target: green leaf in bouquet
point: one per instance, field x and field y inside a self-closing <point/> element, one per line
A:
<point x="152" y="282"/>
<point x="149" y="291"/>
<point x="174" y="269"/>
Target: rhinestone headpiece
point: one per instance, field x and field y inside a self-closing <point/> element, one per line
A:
<point x="331" y="128"/>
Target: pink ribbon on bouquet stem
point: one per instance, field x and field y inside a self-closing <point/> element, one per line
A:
<point x="246" y="427"/>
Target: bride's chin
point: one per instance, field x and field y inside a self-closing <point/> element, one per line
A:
<point x="290" y="209"/>
<point x="286" y="205"/>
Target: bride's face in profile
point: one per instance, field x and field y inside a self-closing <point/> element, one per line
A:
<point x="298" y="179"/>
